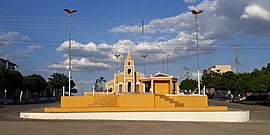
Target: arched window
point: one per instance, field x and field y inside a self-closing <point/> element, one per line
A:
<point x="128" y="63"/>
<point x="120" y="87"/>
<point x="111" y="89"/>
<point x="129" y="71"/>
<point x="129" y="86"/>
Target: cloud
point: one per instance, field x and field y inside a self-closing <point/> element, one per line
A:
<point x="255" y="11"/>
<point x="24" y="54"/>
<point x="83" y="64"/>
<point x="9" y="38"/>
<point x="92" y="57"/>
<point x="165" y="25"/>
<point x="221" y="19"/>
<point x="80" y="83"/>
<point x="195" y="75"/>
<point x="190" y="1"/>
<point x="21" y="54"/>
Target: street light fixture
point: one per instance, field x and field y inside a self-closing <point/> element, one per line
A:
<point x="69" y="64"/>
<point x="144" y="56"/>
<point x="117" y="56"/>
<point x="196" y="12"/>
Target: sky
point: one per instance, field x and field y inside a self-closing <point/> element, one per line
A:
<point x="34" y="34"/>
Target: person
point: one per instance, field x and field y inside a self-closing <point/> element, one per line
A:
<point x="150" y="91"/>
<point x="16" y="98"/>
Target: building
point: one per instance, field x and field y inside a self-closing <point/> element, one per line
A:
<point x="7" y="64"/>
<point x="131" y="81"/>
<point x="159" y="83"/>
<point x="126" y="81"/>
<point x="218" y="69"/>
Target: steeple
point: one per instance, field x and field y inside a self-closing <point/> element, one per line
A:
<point x="129" y="56"/>
<point x="129" y="61"/>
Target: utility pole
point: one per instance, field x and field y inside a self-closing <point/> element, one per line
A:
<point x="236" y="58"/>
<point x="186" y="76"/>
<point x="144" y="56"/>
<point x="196" y="13"/>
<point x="142" y="27"/>
<point x="69" y="63"/>
<point x="163" y="65"/>
<point x="168" y="63"/>
<point x="117" y="56"/>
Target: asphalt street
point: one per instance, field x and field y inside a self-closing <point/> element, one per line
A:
<point x="11" y="124"/>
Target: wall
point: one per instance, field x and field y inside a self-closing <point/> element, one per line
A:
<point x="135" y="100"/>
<point x="189" y="101"/>
<point x="76" y="101"/>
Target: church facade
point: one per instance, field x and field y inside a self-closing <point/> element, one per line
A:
<point x="131" y="81"/>
<point x="126" y="81"/>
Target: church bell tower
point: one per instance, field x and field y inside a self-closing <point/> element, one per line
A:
<point x="129" y="73"/>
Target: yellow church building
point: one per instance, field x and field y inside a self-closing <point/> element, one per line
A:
<point x="131" y="81"/>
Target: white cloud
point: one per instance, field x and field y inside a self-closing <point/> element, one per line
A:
<point x="80" y="83"/>
<point x="255" y="11"/>
<point x="190" y="1"/>
<point x="195" y="75"/>
<point x="93" y="56"/>
<point x="221" y="19"/>
<point x="21" y="54"/>
<point x="83" y="64"/>
<point x="9" y="38"/>
<point x="165" y="25"/>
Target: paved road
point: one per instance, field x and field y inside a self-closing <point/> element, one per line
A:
<point x="11" y="124"/>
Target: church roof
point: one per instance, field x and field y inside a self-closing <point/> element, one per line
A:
<point x="160" y="75"/>
<point x="129" y="56"/>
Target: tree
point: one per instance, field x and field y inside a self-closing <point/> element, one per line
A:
<point x="34" y="83"/>
<point x="96" y="87"/>
<point x="11" y="81"/>
<point x="260" y="83"/>
<point x="228" y="80"/>
<point x="242" y="82"/>
<point x="58" y="80"/>
<point x="100" y="80"/>
<point x="212" y="80"/>
<point x="188" y="84"/>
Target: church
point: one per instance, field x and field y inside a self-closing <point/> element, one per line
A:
<point x="126" y="81"/>
<point x="130" y="81"/>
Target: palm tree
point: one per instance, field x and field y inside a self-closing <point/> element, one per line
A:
<point x="100" y="80"/>
<point x="96" y="86"/>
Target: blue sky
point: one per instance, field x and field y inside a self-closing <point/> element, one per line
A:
<point x="34" y="35"/>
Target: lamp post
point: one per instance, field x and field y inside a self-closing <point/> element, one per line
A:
<point x="69" y="62"/>
<point x="168" y="63"/>
<point x="144" y="56"/>
<point x="196" y="12"/>
<point x="117" y="56"/>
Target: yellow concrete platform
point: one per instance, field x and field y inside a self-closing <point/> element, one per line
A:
<point x="134" y="103"/>
<point x="137" y="109"/>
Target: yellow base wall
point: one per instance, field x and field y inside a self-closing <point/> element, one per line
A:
<point x="191" y="101"/>
<point x="137" y="109"/>
<point x="134" y="102"/>
<point x="76" y="101"/>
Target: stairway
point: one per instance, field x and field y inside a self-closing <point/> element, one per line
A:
<point x="169" y="100"/>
